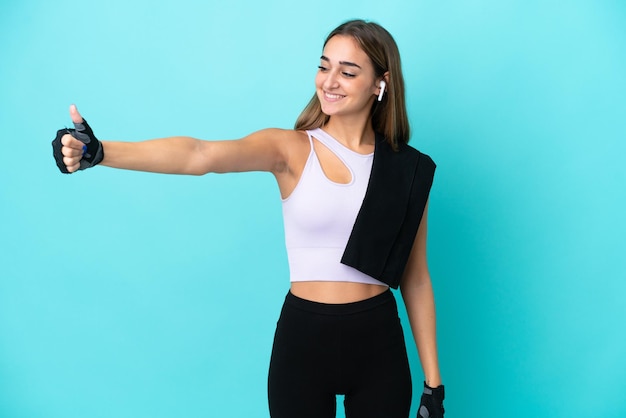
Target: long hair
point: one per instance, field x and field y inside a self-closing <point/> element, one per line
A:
<point x="389" y="117"/>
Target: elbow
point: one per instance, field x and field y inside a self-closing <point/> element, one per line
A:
<point x="415" y="281"/>
<point x="196" y="171"/>
<point x="199" y="162"/>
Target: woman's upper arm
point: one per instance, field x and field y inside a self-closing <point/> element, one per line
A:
<point x="416" y="271"/>
<point x="264" y="150"/>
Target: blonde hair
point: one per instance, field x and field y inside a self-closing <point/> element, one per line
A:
<point x="389" y="117"/>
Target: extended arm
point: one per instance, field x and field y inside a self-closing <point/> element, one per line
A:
<point x="260" y="151"/>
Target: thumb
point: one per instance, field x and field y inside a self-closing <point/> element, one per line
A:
<point x="75" y="115"/>
<point x="82" y="131"/>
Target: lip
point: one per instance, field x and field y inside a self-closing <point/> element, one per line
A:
<point x="331" y="97"/>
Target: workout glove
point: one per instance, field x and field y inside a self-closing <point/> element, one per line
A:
<point x="431" y="405"/>
<point x="92" y="150"/>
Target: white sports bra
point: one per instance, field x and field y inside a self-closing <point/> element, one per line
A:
<point x="319" y="215"/>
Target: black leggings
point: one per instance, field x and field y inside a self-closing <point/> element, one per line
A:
<point x="355" y="349"/>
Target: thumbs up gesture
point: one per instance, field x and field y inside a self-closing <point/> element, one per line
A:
<point x="78" y="148"/>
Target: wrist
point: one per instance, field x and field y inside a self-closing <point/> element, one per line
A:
<point x="432" y="381"/>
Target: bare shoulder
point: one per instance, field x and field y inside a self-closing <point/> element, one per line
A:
<point x="271" y="149"/>
<point x="291" y="147"/>
<point x="287" y="136"/>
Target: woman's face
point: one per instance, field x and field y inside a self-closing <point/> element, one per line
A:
<point x="345" y="83"/>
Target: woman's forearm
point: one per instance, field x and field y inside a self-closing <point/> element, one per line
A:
<point x="420" y="305"/>
<point x="173" y="155"/>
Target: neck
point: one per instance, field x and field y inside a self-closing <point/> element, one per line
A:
<point x="356" y="134"/>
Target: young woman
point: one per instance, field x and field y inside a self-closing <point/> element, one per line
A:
<point x="355" y="209"/>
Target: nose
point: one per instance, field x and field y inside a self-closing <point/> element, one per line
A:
<point x="331" y="81"/>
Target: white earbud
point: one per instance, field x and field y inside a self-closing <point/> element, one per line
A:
<point x="382" y="90"/>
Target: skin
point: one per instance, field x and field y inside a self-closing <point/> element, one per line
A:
<point x="347" y="87"/>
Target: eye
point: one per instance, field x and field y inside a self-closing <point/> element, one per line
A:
<point x="347" y="74"/>
<point x="322" y="68"/>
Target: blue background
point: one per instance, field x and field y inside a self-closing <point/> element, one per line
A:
<point x="127" y="294"/>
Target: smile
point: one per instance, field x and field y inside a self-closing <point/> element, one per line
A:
<point x="331" y="96"/>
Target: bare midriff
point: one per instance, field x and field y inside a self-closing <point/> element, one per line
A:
<point x="336" y="292"/>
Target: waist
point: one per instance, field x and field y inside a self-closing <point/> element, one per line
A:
<point x="336" y="292"/>
<point x="341" y="308"/>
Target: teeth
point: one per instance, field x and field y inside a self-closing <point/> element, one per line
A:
<point x="333" y="96"/>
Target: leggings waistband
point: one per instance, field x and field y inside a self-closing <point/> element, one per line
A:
<point x="339" y="308"/>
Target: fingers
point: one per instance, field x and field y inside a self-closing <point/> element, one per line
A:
<point x="71" y="166"/>
<point x="72" y="163"/>
<point x="69" y="141"/>
<point x="75" y="114"/>
<point x="72" y="151"/>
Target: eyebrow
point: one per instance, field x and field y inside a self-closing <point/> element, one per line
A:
<point x="348" y="63"/>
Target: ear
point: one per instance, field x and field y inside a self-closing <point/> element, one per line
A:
<point x="384" y="78"/>
<point x="382" y="86"/>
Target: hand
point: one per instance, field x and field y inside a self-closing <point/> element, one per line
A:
<point x="78" y="148"/>
<point x="431" y="405"/>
